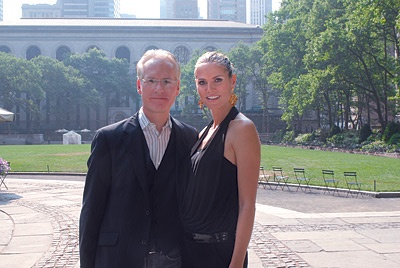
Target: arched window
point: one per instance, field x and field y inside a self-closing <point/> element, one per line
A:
<point x="119" y="116"/>
<point x="151" y="47"/>
<point x="62" y="52"/>
<point x="5" y="49"/>
<point x="210" y="48"/>
<point x="182" y="54"/>
<point x="32" y="52"/>
<point x="123" y="53"/>
<point x="92" y="47"/>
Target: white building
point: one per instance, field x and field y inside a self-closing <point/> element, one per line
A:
<point x="257" y="10"/>
<point x="123" y="38"/>
<point x="73" y="9"/>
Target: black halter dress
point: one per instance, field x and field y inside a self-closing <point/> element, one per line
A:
<point x="210" y="205"/>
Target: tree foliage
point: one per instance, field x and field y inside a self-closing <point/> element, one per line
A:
<point x="337" y="58"/>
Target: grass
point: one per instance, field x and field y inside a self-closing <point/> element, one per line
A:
<point x="375" y="172"/>
<point x="46" y="158"/>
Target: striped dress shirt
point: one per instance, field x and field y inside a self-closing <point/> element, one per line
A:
<point x="156" y="142"/>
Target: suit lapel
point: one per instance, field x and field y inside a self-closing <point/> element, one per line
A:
<point x="181" y="140"/>
<point x="137" y="151"/>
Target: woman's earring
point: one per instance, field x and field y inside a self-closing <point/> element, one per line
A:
<point x="200" y="104"/>
<point x="233" y="99"/>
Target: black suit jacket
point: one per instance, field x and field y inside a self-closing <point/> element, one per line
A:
<point x="116" y="210"/>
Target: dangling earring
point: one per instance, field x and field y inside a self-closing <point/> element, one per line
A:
<point x="233" y="99"/>
<point x="201" y="104"/>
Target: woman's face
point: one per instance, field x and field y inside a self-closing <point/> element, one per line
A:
<point x="214" y="85"/>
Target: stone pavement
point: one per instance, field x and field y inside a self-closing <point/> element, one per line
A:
<point x="39" y="227"/>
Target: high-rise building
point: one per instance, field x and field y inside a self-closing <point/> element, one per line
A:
<point x="233" y="10"/>
<point x="257" y="10"/>
<point x="74" y="9"/>
<point x="186" y="9"/>
<point x="1" y="10"/>
<point x="179" y="9"/>
<point x="167" y="9"/>
<point x="41" y="11"/>
<point x="104" y="8"/>
<point x="90" y="8"/>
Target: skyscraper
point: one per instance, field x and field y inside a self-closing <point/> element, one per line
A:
<point x="90" y="8"/>
<point x="74" y="9"/>
<point x="167" y="9"/>
<point x="104" y="8"/>
<point x="1" y="10"/>
<point x="233" y="10"/>
<point x="257" y="11"/>
<point x="179" y="9"/>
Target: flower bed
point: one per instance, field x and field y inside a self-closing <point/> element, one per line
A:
<point x="4" y="167"/>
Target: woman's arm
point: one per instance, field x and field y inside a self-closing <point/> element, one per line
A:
<point x="244" y="144"/>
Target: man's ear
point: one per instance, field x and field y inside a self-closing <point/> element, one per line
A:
<point x="139" y="86"/>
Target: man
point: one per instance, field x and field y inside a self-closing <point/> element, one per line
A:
<point x="130" y="216"/>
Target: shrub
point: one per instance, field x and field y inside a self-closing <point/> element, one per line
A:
<point x="345" y="139"/>
<point x="376" y="146"/>
<point x="395" y="139"/>
<point x="304" y="138"/>
<point x="365" y="132"/>
<point x="334" y="130"/>
<point x="391" y="129"/>
<point x="289" y="136"/>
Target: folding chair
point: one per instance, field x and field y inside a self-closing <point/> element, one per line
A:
<point x="280" y="178"/>
<point x="330" y="182"/>
<point x="3" y="177"/>
<point x="263" y="179"/>
<point x="300" y="175"/>
<point x="353" y="186"/>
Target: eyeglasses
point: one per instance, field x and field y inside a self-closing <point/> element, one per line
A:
<point x="166" y="83"/>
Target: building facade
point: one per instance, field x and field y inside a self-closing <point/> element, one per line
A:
<point x="123" y="38"/>
<point x="257" y="11"/>
<point x="179" y="9"/>
<point x="41" y="11"/>
<point x="233" y="10"/>
<point x="186" y="9"/>
<point x="1" y="10"/>
<point x="74" y="9"/>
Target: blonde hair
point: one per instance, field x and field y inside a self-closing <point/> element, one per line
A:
<point x="157" y="53"/>
<point x="217" y="58"/>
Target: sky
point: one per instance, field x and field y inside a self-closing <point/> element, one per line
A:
<point x="142" y="9"/>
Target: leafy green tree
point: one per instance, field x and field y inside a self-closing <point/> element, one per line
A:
<point x="283" y="46"/>
<point x="368" y="30"/>
<point x="66" y="91"/>
<point x="110" y="78"/>
<point x="240" y="57"/>
<point x="343" y="54"/>
<point x="20" y="87"/>
<point x="188" y="94"/>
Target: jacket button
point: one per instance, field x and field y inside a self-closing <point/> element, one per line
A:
<point x="144" y="242"/>
<point x="148" y="212"/>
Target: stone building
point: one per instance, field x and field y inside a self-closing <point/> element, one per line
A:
<point x="123" y="38"/>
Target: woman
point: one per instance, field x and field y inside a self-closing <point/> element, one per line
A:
<point x="218" y="205"/>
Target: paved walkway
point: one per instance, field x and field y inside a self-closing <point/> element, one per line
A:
<point x="39" y="227"/>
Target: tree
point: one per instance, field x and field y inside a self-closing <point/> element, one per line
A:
<point x="188" y="92"/>
<point x="66" y="91"/>
<point x="110" y="78"/>
<point x="283" y="46"/>
<point x="240" y="57"/>
<point x="20" y="87"/>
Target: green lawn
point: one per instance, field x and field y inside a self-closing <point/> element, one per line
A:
<point x="72" y="158"/>
<point x="383" y="170"/>
<point x="44" y="158"/>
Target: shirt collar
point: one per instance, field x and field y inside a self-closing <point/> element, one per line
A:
<point x="145" y="122"/>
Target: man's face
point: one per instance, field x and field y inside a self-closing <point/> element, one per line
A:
<point x="159" y="86"/>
